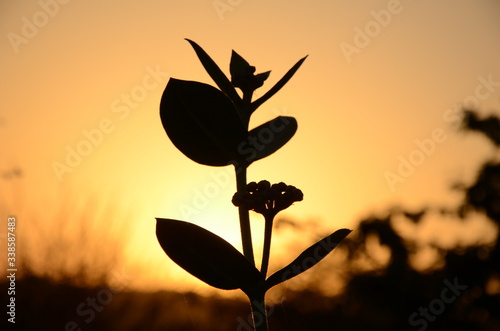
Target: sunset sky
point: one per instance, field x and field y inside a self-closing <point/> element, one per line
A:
<point x="381" y="90"/>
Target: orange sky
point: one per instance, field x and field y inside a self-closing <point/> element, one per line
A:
<point x="382" y="78"/>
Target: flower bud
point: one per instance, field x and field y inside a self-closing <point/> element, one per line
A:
<point x="252" y="187"/>
<point x="294" y="193"/>
<point x="238" y="198"/>
<point x="297" y="195"/>
<point x="280" y="187"/>
<point x="263" y="185"/>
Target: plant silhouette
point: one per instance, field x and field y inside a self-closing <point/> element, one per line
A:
<point x="210" y="126"/>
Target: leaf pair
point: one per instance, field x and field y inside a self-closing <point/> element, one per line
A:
<point x="216" y="262"/>
<point x="204" y="125"/>
<point x="210" y="126"/>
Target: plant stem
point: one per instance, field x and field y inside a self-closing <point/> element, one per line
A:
<point x="259" y="312"/>
<point x="267" y="244"/>
<point x="247" y="98"/>
<point x="246" y="233"/>
<point x="245" y="108"/>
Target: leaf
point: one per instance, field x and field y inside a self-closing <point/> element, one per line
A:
<point x="308" y="258"/>
<point x="239" y="66"/>
<point x="242" y="76"/>
<point x="201" y="122"/>
<point x="217" y="75"/>
<point x="269" y="137"/>
<point x="263" y="76"/>
<point x="278" y="85"/>
<point x="206" y="256"/>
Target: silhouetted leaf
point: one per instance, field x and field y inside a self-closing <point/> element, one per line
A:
<point x="201" y="122"/>
<point x="278" y="85"/>
<point x="270" y="136"/>
<point x="206" y="256"/>
<point x="216" y="73"/>
<point x="308" y="258"/>
<point x="239" y="66"/>
<point x="263" y="76"/>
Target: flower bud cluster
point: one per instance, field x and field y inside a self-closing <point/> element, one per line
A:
<point x="267" y="199"/>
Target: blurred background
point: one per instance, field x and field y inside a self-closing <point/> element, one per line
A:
<point x="383" y="147"/>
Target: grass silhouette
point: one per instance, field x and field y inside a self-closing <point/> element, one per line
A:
<point x="78" y="245"/>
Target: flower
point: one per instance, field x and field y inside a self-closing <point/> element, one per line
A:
<point x="267" y="199"/>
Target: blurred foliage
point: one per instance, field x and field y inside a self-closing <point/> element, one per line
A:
<point x="382" y="296"/>
<point x="384" y="299"/>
